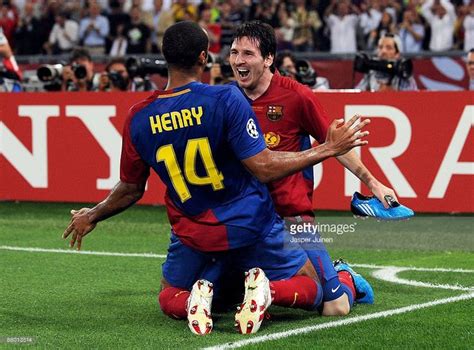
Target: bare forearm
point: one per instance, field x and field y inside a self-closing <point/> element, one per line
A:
<point x="352" y="161"/>
<point x="278" y="165"/>
<point x="121" y="197"/>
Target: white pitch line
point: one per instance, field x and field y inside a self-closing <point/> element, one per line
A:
<point x="389" y="274"/>
<point x="162" y="256"/>
<point x="81" y="252"/>
<point x="343" y="322"/>
<point x="411" y="268"/>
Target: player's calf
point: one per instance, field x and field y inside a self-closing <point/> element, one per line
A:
<point x="173" y="302"/>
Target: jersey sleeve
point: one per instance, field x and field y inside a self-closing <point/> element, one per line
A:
<point x="313" y="118"/>
<point x="132" y="168"/>
<point x="243" y="131"/>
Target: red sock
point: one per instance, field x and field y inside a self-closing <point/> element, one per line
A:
<point x="299" y="291"/>
<point x="346" y="279"/>
<point x="173" y="302"/>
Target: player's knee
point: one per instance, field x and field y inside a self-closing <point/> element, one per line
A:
<point x="339" y="307"/>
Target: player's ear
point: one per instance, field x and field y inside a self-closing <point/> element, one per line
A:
<point x="202" y="60"/>
<point x="268" y="61"/>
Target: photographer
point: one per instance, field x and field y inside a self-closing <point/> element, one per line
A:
<point x="115" y="77"/>
<point x="300" y="70"/>
<point x="391" y="73"/>
<point x="220" y="71"/>
<point x="79" y="75"/>
<point x="10" y="73"/>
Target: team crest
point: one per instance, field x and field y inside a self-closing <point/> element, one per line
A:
<point x="274" y="113"/>
<point x="272" y="139"/>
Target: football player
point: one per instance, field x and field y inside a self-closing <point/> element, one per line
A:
<point x="206" y="146"/>
<point x="289" y="113"/>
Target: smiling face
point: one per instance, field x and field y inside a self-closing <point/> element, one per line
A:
<point x="250" y="68"/>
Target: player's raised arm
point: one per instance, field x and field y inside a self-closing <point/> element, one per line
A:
<point x="83" y="221"/>
<point x="341" y="137"/>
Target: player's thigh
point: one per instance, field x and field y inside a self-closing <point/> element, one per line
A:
<point x="337" y="307"/>
<point x="184" y="266"/>
<point x="273" y="254"/>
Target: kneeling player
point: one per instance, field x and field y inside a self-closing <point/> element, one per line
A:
<point x="205" y="145"/>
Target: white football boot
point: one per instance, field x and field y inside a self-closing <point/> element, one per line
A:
<point x="257" y="299"/>
<point x="199" y="307"/>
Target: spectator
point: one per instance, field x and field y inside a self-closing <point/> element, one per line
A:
<point x="287" y="65"/>
<point x="8" y="20"/>
<point x="213" y="30"/>
<point x="115" y="77"/>
<point x="137" y="33"/>
<point x="120" y="43"/>
<point x="342" y="26"/>
<point x="411" y="31"/>
<point x="369" y="19"/>
<point x="388" y="49"/>
<point x="79" y="74"/>
<point x="64" y="35"/>
<point x="441" y="17"/>
<point x="117" y="18"/>
<point x="183" y="11"/>
<point x="306" y="22"/>
<point x="470" y="68"/>
<point x="230" y="19"/>
<point x="386" y="26"/>
<point x="468" y="25"/>
<point x="94" y="29"/>
<point x="11" y="74"/>
<point x="162" y="19"/>
<point x="28" y="33"/>
<point x="286" y="31"/>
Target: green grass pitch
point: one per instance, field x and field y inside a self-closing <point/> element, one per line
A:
<point x="109" y="302"/>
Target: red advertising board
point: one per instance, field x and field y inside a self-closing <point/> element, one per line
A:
<point x="66" y="147"/>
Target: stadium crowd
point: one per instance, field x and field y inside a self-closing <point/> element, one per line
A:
<point x="119" y="27"/>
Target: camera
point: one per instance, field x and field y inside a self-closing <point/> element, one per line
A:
<point x="226" y="69"/>
<point x="402" y="68"/>
<point x="305" y="74"/>
<point x="142" y="67"/>
<point x="52" y="72"/>
<point x="117" y="80"/>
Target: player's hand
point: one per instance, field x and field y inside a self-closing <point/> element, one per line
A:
<point x="79" y="226"/>
<point x="380" y="191"/>
<point x="342" y="137"/>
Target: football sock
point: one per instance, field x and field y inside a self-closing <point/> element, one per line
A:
<point x="347" y="285"/>
<point x="173" y="301"/>
<point x="299" y="291"/>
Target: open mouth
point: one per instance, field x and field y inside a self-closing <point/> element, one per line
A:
<point x="243" y="73"/>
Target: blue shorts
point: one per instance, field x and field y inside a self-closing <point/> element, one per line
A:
<point x="185" y="265"/>
<point x="310" y="240"/>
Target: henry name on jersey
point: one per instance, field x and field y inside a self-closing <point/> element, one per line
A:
<point x="176" y="120"/>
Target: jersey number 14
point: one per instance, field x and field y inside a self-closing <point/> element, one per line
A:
<point x="214" y="177"/>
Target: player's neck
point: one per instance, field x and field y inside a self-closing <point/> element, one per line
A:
<point x="178" y="78"/>
<point x="261" y="87"/>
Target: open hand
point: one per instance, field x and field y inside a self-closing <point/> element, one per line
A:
<point x="342" y="137"/>
<point x="80" y="225"/>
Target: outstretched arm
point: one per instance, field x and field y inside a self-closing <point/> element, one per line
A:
<point x="352" y="161"/>
<point x="269" y="166"/>
<point x="83" y="221"/>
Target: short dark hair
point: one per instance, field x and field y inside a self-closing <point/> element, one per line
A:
<point x="262" y="33"/>
<point x="79" y="53"/>
<point x="281" y="57"/>
<point x="183" y="42"/>
<point x="115" y="60"/>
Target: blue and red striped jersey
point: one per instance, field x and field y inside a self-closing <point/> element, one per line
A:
<point x="194" y="137"/>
